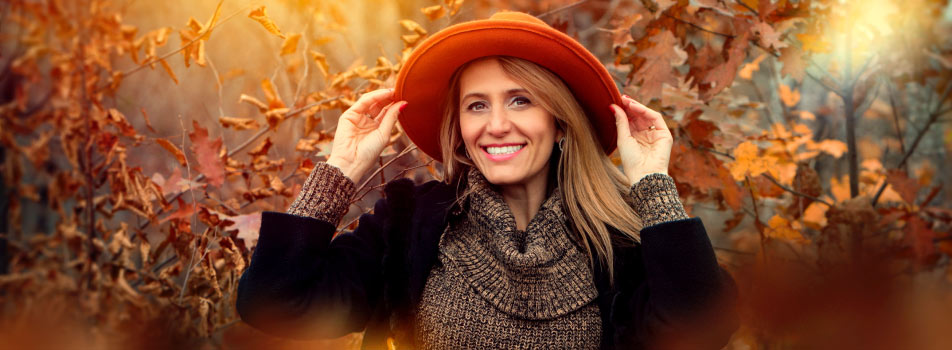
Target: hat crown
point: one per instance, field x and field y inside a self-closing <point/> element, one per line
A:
<point x="516" y="16"/>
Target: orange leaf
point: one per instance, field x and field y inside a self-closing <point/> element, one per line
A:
<point x="207" y="28"/>
<point x="413" y="26"/>
<point x="788" y="96"/>
<point x="747" y="71"/>
<point x="747" y="162"/>
<point x="321" y="61"/>
<point x="175" y="151"/>
<point x="793" y="63"/>
<point x="261" y="17"/>
<point x="433" y="12"/>
<point x="290" y="44"/>
<point x="274" y="101"/>
<point x="168" y="69"/>
<point x="835" y="148"/>
<point x="238" y="123"/>
<point x="781" y="228"/>
<point x="207" y="152"/>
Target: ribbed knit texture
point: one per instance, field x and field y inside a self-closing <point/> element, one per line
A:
<point x="502" y="288"/>
<point x="495" y="286"/>
<point x="325" y="195"/>
<point x="656" y="200"/>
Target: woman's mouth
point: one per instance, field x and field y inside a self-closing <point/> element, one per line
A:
<point x="502" y="152"/>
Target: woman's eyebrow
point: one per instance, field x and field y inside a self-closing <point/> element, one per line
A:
<point x="485" y="96"/>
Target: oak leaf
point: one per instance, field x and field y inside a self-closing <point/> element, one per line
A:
<point x="659" y="66"/>
<point x="207" y="153"/>
<point x="793" y="63"/>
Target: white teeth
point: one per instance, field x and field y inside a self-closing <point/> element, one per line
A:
<point x="504" y="149"/>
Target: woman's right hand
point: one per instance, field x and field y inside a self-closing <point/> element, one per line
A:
<point x="363" y="131"/>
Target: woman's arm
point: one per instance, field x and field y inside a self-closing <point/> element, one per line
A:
<point x="685" y="301"/>
<point x="302" y="283"/>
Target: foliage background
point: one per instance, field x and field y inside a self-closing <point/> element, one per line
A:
<point x="142" y="140"/>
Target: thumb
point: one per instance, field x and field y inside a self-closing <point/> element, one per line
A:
<point x="621" y="122"/>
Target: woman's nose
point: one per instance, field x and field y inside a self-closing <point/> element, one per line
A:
<point x="499" y="123"/>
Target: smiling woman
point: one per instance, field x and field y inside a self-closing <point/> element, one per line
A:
<point x="533" y="239"/>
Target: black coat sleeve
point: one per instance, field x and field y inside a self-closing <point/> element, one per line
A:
<point x="301" y="283"/>
<point x="683" y="300"/>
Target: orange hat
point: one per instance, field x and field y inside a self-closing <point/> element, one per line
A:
<point x="424" y="79"/>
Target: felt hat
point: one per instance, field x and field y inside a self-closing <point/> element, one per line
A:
<point x="424" y="79"/>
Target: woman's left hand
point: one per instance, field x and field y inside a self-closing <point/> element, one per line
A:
<point x="644" y="141"/>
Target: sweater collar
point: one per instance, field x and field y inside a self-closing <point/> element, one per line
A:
<point x="538" y="273"/>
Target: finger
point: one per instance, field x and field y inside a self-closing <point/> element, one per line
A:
<point x="390" y="118"/>
<point x="645" y="117"/>
<point x="621" y="122"/>
<point x="367" y="101"/>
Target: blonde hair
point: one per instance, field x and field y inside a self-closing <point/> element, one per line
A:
<point x="592" y="186"/>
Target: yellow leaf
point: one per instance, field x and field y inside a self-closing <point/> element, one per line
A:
<point x="413" y="26"/>
<point x="815" y="215"/>
<point x="747" y="162"/>
<point x="433" y="12"/>
<point x="321" y="61"/>
<point x="290" y="44"/>
<point x="840" y="188"/>
<point x="261" y="17"/>
<point x="262" y="107"/>
<point x="807" y="115"/>
<point x="207" y="28"/>
<point x="789" y="98"/>
<point x="169" y="70"/>
<point x="835" y="148"/>
<point x="780" y="228"/>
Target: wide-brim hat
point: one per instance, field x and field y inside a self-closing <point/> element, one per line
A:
<point x="424" y="79"/>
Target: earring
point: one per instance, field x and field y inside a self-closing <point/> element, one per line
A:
<point x="561" y="143"/>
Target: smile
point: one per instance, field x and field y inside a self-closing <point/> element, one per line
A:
<point x="502" y="152"/>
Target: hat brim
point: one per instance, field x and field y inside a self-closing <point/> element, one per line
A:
<point x="424" y="79"/>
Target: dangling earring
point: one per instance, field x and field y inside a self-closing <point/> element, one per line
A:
<point x="561" y="143"/>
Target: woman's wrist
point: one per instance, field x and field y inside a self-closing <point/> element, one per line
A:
<point x="656" y="199"/>
<point x="351" y="171"/>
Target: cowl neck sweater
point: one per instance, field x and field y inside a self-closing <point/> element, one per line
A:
<point x="531" y="286"/>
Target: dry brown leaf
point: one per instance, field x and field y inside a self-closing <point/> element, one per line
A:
<point x="261" y="17"/>
<point x="321" y="61"/>
<point x="168" y="69"/>
<point x="238" y="123"/>
<point x="175" y="151"/>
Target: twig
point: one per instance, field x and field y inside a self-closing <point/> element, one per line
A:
<point x="401" y="154"/>
<point x="751" y="9"/>
<point x="698" y="27"/>
<point x="560" y="9"/>
<point x="191" y="190"/>
<point x="895" y="113"/>
<point x="915" y="143"/>
<point x="801" y="194"/>
<point x="170" y="54"/>
<point x="221" y="111"/>
<point x="757" y="223"/>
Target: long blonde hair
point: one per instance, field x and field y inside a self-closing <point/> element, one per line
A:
<point x="591" y="185"/>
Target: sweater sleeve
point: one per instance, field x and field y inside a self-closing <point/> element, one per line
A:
<point x="656" y="200"/>
<point x="325" y="195"/>
<point x="303" y="282"/>
<point x="685" y="299"/>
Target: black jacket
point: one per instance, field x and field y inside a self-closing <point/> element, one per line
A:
<point x="669" y="291"/>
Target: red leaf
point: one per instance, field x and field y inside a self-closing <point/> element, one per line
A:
<point x="207" y="152"/>
<point x="907" y="188"/>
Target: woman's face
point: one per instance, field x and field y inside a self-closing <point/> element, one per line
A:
<point x="507" y="134"/>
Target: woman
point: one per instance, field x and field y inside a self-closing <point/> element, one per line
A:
<point x="533" y="240"/>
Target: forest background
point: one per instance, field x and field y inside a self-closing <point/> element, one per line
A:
<point x="142" y="140"/>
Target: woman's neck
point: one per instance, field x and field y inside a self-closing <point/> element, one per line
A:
<point x="525" y="199"/>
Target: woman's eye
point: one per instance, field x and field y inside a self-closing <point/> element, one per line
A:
<point x="476" y="106"/>
<point x="519" y="101"/>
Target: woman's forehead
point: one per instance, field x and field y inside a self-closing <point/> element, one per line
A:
<point x="487" y="77"/>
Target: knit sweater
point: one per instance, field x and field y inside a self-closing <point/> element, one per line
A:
<point x="495" y="286"/>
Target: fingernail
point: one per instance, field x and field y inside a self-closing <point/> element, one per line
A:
<point x="403" y="106"/>
<point x="626" y="96"/>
